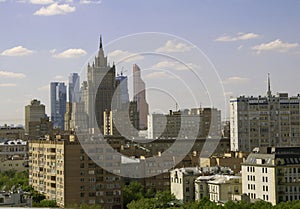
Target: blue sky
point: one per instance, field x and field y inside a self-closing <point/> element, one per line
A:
<point x="46" y="40"/>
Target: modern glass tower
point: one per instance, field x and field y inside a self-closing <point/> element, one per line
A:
<point x="58" y="94"/>
<point x="139" y="92"/>
<point x="74" y="88"/>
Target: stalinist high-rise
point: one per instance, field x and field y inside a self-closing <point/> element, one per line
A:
<point x="100" y="88"/>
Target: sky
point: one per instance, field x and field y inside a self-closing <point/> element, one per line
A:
<point x="194" y="53"/>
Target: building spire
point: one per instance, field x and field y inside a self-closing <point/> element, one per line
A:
<point x="269" y="93"/>
<point x="100" y="42"/>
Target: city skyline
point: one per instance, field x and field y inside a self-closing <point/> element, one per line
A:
<point x="244" y="47"/>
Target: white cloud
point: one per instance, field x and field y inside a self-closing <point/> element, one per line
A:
<point x="159" y="75"/>
<point x="52" y="51"/>
<point x="2" y="1"/>
<point x="237" y="37"/>
<point x="126" y="56"/>
<point x="58" y="77"/>
<point x="174" y="65"/>
<point x="228" y="93"/>
<point x="55" y="9"/>
<point x="8" y="84"/>
<point x="44" y="88"/>
<point x="70" y="53"/>
<point x="41" y="1"/>
<point x="6" y="74"/>
<point x="90" y="1"/>
<point x="235" y="80"/>
<point x="172" y="46"/>
<point x="17" y="51"/>
<point x="276" y="45"/>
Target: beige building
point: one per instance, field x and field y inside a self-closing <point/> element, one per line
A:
<point x="40" y="129"/>
<point x="11" y="133"/>
<point x="33" y="113"/>
<point x="272" y="174"/>
<point x="218" y="188"/>
<point x="182" y="183"/>
<point x="264" y="121"/>
<point x="232" y="160"/>
<point x="11" y="149"/>
<point x="17" y="164"/>
<point x="62" y="171"/>
<point x="194" y="123"/>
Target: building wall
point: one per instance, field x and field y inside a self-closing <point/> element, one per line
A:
<point x="259" y="182"/>
<point x="139" y="96"/>
<point x="63" y="172"/>
<point x="11" y="133"/>
<point x="264" y="121"/>
<point x="182" y="183"/>
<point x="17" y="165"/>
<point x="33" y="113"/>
<point x="194" y="123"/>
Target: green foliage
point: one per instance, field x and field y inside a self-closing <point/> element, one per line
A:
<point x="45" y="204"/>
<point x="37" y="197"/>
<point x="86" y="206"/>
<point x="13" y="178"/>
<point x="161" y="200"/>
<point x="134" y="191"/>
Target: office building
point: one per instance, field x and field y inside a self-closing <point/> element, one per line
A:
<point x="68" y="116"/>
<point x="194" y="123"/>
<point x="272" y="174"/>
<point x="139" y="92"/>
<point x="58" y="99"/>
<point x="74" y="88"/>
<point x="41" y="129"/>
<point x="264" y="121"/>
<point x="33" y="113"/>
<point x="121" y="94"/>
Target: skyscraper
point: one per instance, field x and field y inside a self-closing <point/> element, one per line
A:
<point x="33" y="113"/>
<point x="122" y="96"/>
<point x="139" y="93"/>
<point x="58" y="94"/>
<point x="74" y="90"/>
<point x="100" y="88"/>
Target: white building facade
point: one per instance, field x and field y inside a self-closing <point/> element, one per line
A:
<point x="272" y="174"/>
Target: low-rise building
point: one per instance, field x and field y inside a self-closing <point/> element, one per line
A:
<point x="11" y="132"/>
<point x="232" y="160"/>
<point x="182" y="183"/>
<point x="17" y="164"/>
<point x="10" y="149"/>
<point x="218" y="188"/>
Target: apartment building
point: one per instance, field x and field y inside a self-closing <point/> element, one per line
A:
<point x="218" y="188"/>
<point x="62" y="171"/>
<point x="272" y="174"/>
<point x="264" y="121"/>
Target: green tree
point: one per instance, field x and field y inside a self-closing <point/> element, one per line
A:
<point x="133" y="191"/>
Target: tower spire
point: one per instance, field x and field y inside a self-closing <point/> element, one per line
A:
<point x="269" y="93"/>
<point x="100" y="42"/>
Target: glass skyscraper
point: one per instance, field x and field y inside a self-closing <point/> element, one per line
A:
<point x="58" y="94"/>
